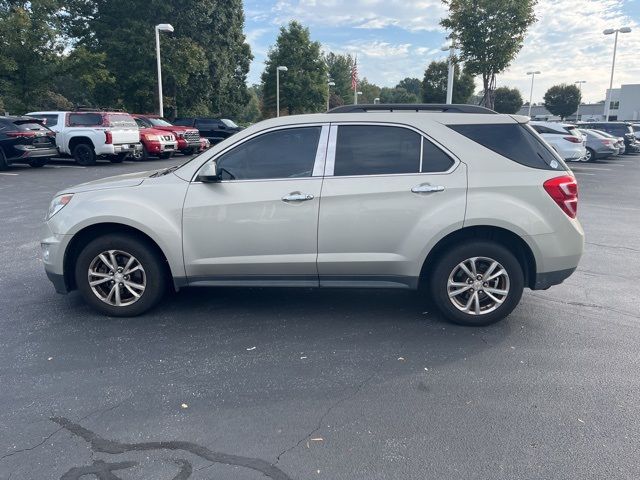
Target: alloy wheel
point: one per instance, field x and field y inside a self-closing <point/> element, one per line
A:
<point x="117" y="278"/>
<point x="478" y="285"/>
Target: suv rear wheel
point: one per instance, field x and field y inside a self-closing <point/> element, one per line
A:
<point x="120" y="275"/>
<point x="84" y="154"/>
<point x="4" y="165"/>
<point x="38" y="162"/>
<point x="477" y="283"/>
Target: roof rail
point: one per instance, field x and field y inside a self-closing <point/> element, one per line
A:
<point x="411" y="107"/>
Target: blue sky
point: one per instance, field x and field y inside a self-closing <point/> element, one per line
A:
<point x="398" y="38"/>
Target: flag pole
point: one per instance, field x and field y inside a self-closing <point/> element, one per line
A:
<point x="354" y="82"/>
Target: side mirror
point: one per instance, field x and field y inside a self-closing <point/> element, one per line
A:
<point x="209" y="173"/>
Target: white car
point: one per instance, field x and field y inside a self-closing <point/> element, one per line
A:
<point x="470" y="205"/>
<point x="564" y="139"/>
<point x="87" y="135"/>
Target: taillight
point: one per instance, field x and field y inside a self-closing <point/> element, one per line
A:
<point x="108" y="137"/>
<point x="573" y="139"/>
<point x="21" y="134"/>
<point x="564" y="191"/>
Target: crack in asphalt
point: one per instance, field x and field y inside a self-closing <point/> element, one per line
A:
<point x="102" y="445"/>
<point x="587" y="305"/>
<point x="48" y="437"/>
<point x="603" y="245"/>
<point x="320" y="422"/>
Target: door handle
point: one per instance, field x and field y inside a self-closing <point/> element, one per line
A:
<point x="426" y="188"/>
<point x="297" y="197"/>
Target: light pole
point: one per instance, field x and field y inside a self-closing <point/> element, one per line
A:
<point x="610" y="31"/>
<point x="451" y="48"/>
<point x="163" y="27"/>
<point x="579" y="83"/>
<point x="356" y="97"/>
<point x="329" y="85"/>
<point x="278" y="70"/>
<point x="533" y="76"/>
<point x="376" y="100"/>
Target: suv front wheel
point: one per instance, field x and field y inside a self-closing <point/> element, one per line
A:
<point x="120" y="275"/>
<point x="477" y="283"/>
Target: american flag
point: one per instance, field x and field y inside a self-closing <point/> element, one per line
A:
<point x="354" y="75"/>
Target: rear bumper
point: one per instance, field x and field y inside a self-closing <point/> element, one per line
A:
<point x="26" y="152"/>
<point x="548" y="279"/>
<point x="118" y="148"/>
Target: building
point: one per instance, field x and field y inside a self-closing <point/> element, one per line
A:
<point x="625" y="102"/>
<point x="625" y="106"/>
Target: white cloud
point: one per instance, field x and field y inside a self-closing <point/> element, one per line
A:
<point x="567" y="44"/>
<point x="367" y="14"/>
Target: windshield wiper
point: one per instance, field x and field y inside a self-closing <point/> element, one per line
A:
<point x="166" y="171"/>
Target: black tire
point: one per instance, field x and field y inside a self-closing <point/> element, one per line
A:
<point x="166" y="155"/>
<point x="4" y="165"/>
<point x="188" y="151"/>
<point x="590" y="156"/>
<point x="119" y="158"/>
<point x="84" y="154"/>
<point x="152" y="263"/>
<point x="38" y="162"/>
<point x="448" y="264"/>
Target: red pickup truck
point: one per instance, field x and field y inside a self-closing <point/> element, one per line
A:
<point x="188" y="138"/>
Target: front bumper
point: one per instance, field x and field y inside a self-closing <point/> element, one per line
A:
<point x="53" y="247"/>
<point x="184" y="144"/>
<point x="161" y="147"/>
<point x="549" y="279"/>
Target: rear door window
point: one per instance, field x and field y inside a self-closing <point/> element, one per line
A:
<point x="376" y="150"/>
<point x="514" y="141"/>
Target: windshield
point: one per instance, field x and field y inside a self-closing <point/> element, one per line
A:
<point x="159" y="122"/>
<point x="229" y="123"/>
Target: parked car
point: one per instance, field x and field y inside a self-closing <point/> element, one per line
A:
<point x="188" y="138"/>
<point x="474" y="212"/>
<point x="636" y="130"/>
<point x="563" y="138"/>
<point x="619" y="140"/>
<point x="213" y="129"/>
<point x="25" y="140"/>
<point x="619" y="129"/>
<point x="599" y="146"/>
<point x="155" y="142"/>
<point x="87" y="135"/>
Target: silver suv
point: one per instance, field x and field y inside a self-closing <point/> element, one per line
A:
<point x="467" y="206"/>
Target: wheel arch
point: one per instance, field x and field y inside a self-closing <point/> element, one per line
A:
<point x="88" y="233"/>
<point x="507" y="238"/>
<point x="74" y="141"/>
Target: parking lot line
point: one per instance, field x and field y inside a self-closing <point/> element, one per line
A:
<point x="64" y="166"/>
<point x="12" y="174"/>
<point x="585" y="173"/>
<point x="592" y="168"/>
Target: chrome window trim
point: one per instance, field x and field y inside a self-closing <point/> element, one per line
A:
<point x="320" y="152"/>
<point x="333" y="136"/>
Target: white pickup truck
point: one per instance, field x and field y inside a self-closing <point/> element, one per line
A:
<point x="88" y="135"/>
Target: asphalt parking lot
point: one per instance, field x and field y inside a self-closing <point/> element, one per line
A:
<point x="303" y="384"/>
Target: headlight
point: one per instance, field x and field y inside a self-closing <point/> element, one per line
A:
<point x="152" y="138"/>
<point x="181" y="134"/>
<point x="58" y="204"/>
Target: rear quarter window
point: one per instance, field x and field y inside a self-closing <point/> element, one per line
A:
<point x="84" y="120"/>
<point x="516" y="142"/>
<point x="121" y="120"/>
<point x="31" y="127"/>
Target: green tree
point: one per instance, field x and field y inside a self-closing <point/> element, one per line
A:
<point x="370" y="91"/>
<point x="397" y="95"/>
<point x="340" y="73"/>
<point x="303" y="88"/>
<point x="204" y="63"/>
<point x="411" y="85"/>
<point x="30" y="49"/>
<point x="251" y="111"/>
<point x="507" y="100"/>
<point x="562" y="100"/>
<point x="434" y="83"/>
<point x="489" y="33"/>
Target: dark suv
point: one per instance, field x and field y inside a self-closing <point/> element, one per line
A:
<point x="25" y="140"/>
<point x="213" y="129"/>
<point x="618" y="129"/>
